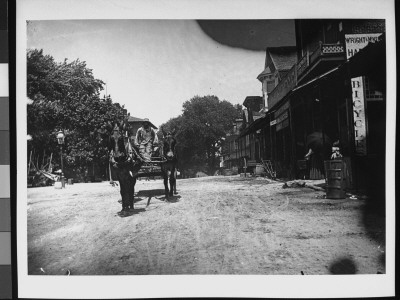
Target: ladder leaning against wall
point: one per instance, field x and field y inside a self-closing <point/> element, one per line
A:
<point x="268" y="167"/>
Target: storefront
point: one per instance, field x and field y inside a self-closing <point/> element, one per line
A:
<point x="346" y="105"/>
<point x="367" y="73"/>
<point x="281" y="137"/>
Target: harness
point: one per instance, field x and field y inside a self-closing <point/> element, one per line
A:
<point x="169" y="149"/>
<point x="120" y="159"/>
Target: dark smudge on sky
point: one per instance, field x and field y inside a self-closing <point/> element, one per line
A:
<point x="250" y="34"/>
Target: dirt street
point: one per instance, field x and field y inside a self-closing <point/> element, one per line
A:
<point x="215" y="225"/>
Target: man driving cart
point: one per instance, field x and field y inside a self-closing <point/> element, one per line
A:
<point x="144" y="140"/>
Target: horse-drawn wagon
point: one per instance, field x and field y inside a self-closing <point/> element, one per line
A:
<point x="130" y="159"/>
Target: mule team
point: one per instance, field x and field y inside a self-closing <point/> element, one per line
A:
<point x="127" y="158"/>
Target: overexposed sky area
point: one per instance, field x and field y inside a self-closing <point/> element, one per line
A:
<point x="152" y="66"/>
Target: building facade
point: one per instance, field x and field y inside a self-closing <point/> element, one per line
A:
<point x="230" y="155"/>
<point x="251" y="142"/>
<point x="320" y="96"/>
<point x="276" y="78"/>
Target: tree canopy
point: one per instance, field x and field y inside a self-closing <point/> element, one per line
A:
<point x="66" y="96"/>
<point x="200" y="128"/>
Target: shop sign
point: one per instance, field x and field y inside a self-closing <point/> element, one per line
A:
<point x="354" y="43"/>
<point x="282" y="120"/>
<point x="282" y="116"/>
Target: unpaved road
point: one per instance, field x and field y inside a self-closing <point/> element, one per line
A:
<point x="215" y="225"/>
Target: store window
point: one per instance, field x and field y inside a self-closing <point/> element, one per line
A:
<point x="371" y="90"/>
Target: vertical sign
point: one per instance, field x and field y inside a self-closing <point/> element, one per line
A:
<point x="355" y="42"/>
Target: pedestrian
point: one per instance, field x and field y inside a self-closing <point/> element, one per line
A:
<point x="318" y="149"/>
<point x="336" y="151"/>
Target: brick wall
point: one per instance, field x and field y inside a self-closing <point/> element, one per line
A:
<point x="366" y="26"/>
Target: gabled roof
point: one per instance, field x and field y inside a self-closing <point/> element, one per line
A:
<point x="257" y="124"/>
<point x="248" y="99"/>
<point x="266" y="72"/>
<point x="134" y="119"/>
<point x="283" y="57"/>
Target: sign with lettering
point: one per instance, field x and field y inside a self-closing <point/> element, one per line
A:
<point x="354" y="43"/>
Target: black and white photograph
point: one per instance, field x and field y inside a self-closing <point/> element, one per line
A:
<point x="188" y="149"/>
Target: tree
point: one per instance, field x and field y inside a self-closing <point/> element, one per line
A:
<point x="65" y="96"/>
<point x="200" y="129"/>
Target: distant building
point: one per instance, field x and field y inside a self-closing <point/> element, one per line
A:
<point x="251" y="142"/>
<point x="230" y="148"/>
<point x="255" y="137"/>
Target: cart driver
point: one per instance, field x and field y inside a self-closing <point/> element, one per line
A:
<point x="145" y="138"/>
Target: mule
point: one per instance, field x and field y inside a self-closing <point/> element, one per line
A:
<point x="125" y="163"/>
<point x="168" y="167"/>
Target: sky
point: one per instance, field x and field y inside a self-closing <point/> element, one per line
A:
<point x="154" y="66"/>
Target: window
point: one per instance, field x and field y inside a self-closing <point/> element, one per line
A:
<point x="331" y="34"/>
<point x="270" y="86"/>
<point x="371" y="91"/>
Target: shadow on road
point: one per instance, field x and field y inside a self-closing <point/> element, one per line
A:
<point x="130" y="213"/>
<point x="158" y="194"/>
<point x="171" y="199"/>
<point x="150" y="193"/>
<point x="343" y="266"/>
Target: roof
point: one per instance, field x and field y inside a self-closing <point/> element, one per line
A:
<point x="370" y="59"/>
<point x="267" y="71"/>
<point x="249" y="98"/>
<point x="138" y="120"/>
<point x="283" y="57"/>
<point x="257" y="124"/>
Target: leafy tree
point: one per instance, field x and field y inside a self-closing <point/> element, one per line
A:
<point x="199" y="131"/>
<point x="65" y="96"/>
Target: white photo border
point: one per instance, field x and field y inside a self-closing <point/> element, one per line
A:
<point x="150" y="286"/>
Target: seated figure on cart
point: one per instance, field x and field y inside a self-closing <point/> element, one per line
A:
<point x="145" y="138"/>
